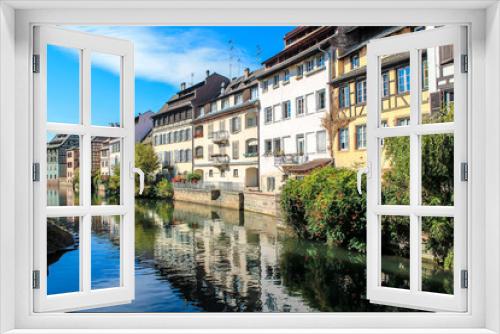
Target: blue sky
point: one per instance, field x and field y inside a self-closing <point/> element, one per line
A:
<point x="164" y="57"/>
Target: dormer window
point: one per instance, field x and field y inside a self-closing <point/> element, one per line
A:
<point x="238" y="99"/>
<point x="213" y="107"/>
<point x="354" y="61"/>
<point x="225" y="103"/>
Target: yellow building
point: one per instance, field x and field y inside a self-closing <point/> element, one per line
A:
<point x="225" y="141"/>
<point x="348" y="89"/>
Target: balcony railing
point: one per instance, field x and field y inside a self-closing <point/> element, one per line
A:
<point x="221" y="136"/>
<point x="290" y="159"/>
<point x="220" y="159"/>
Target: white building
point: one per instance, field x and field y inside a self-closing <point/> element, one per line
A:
<point x="294" y="97"/>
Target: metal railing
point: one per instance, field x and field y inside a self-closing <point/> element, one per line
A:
<point x="220" y="136"/>
<point x="290" y="159"/>
<point x="222" y="186"/>
<point x="219" y="159"/>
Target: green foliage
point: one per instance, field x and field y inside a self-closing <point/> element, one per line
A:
<point x="326" y="206"/>
<point x="114" y="181"/>
<point x="164" y="189"/>
<point x="76" y="179"/>
<point x="147" y="160"/>
<point x="437" y="187"/>
<point x="193" y="177"/>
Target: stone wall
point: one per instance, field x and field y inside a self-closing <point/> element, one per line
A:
<point x="268" y="204"/>
<point x="230" y="200"/>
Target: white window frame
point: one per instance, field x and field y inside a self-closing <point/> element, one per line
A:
<point x="122" y="142"/>
<point x="412" y="43"/>
<point x="15" y="90"/>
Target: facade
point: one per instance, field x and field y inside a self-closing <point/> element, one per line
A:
<point x="56" y="155"/>
<point x="172" y="125"/>
<point x="143" y="125"/>
<point x="72" y="163"/>
<point x="348" y="87"/>
<point x="114" y="155"/>
<point x="225" y="135"/>
<point x="294" y="99"/>
<point x="104" y="160"/>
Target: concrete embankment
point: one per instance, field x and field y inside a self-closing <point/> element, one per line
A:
<point x="267" y="204"/>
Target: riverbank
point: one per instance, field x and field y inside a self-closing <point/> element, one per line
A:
<point x="267" y="204"/>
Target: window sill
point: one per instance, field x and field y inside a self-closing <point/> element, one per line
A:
<point x="286" y="82"/>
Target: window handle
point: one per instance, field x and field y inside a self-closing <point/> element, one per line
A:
<point x="139" y="171"/>
<point x="361" y="171"/>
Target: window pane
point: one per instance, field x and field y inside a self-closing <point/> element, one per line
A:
<point x="105" y="89"/>
<point x="437" y="169"/>
<point x="63" y="84"/>
<point x="394" y="96"/>
<point x="395" y="171"/>
<point x="63" y="255"/>
<point x="105" y="252"/>
<point x="437" y="93"/>
<point x="63" y="169"/>
<point x="395" y="271"/>
<point x="437" y="254"/>
<point x="106" y="170"/>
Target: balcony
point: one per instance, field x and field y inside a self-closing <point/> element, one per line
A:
<point x="290" y="159"/>
<point x="220" y="137"/>
<point x="220" y="159"/>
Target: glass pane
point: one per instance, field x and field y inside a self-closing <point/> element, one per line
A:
<point x="63" y="169"/>
<point x="63" y="84"/>
<point x="395" y="90"/>
<point x="437" y="254"/>
<point x="395" y="171"/>
<point x="437" y="169"/>
<point x="105" y="252"/>
<point x="63" y="255"/>
<point x="437" y="93"/>
<point x="105" y="90"/>
<point x="106" y="170"/>
<point x="395" y="271"/>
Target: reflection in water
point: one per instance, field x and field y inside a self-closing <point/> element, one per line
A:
<point x="194" y="258"/>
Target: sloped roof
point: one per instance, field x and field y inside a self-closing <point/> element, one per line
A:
<point x="308" y="166"/>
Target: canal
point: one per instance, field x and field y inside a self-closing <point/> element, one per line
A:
<point x="195" y="258"/>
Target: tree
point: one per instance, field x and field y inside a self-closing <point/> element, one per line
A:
<point x="146" y="159"/>
<point x="114" y="181"/>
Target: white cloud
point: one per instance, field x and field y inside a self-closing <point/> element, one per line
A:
<point x="171" y="55"/>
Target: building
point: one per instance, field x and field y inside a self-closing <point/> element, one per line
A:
<point x="104" y="160"/>
<point x="143" y="125"/>
<point x="56" y="155"/>
<point x="225" y="141"/>
<point x="294" y="99"/>
<point x="72" y="163"/>
<point x="172" y="125"/>
<point x="348" y="89"/>
<point x="114" y="155"/>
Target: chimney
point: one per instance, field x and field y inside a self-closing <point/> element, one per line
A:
<point x="222" y="87"/>
<point x="183" y="85"/>
<point x="208" y="73"/>
<point x="246" y="71"/>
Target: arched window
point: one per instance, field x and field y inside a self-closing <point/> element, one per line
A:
<point x="198" y="152"/>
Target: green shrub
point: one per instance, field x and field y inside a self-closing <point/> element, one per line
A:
<point x="193" y="177"/>
<point x="325" y="206"/>
<point x="164" y="189"/>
